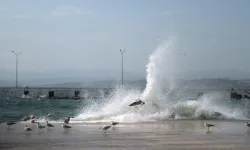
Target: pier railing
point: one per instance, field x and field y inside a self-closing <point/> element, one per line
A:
<point x="76" y="93"/>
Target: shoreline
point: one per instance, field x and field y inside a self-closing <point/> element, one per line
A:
<point x="142" y="122"/>
<point x="179" y="134"/>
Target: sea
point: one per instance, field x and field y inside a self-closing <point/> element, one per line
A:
<point x="164" y="98"/>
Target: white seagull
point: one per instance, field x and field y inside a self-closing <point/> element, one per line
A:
<point x="10" y="123"/>
<point x="33" y="121"/>
<point x="66" y="126"/>
<point x="40" y="126"/>
<point x="49" y="125"/>
<point x="247" y="124"/>
<point x="27" y="128"/>
<point x="114" y="123"/>
<point x="66" y="120"/>
<point x="105" y="128"/>
<point x="208" y="125"/>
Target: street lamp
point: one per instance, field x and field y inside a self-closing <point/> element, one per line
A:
<point x="17" y="66"/>
<point x="122" y="52"/>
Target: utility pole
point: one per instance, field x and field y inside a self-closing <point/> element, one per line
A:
<point x="17" y="66"/>
<point x="122" y="52"/>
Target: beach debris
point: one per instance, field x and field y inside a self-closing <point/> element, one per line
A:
<point x="105" y="128"/>
<point x="27" y="128"/>
<point x="247" y="124"/>
<point x="114" y="123"/>
<point x="137" y="102"/>
<point x="208" y="125"/>
<point x="65" y="126"/>
<point x="49" y="125"/>
<point x="40" y="126"/>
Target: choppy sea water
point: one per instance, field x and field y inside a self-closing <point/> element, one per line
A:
<point x="212" y="105"/>
<point x="162" y="100"/>
<point x="16" y="108"/>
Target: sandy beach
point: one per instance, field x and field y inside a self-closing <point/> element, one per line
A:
<point x="158" y="136"/>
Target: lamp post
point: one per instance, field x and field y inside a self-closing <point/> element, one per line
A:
<point x="17" y="66"/>
<point x="122" y="52"/>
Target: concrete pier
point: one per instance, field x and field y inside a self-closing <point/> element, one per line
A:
<point x="55" y="93"/>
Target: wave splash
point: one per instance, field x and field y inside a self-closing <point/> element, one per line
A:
<point x="159" y="106"/>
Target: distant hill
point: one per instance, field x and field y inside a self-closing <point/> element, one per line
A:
<point x="98" y="84"/>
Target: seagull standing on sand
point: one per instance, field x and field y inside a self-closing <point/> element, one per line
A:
<point x="30" y="117"/>
<point x="114" y="123"/>
<point x="49" y="125"/>
<point x="66" y="126"/>
<point x="247" y="124"/>
<point x="10" y="123"/>
<point x="27" y="128"/>
<point x="26" y="118"/>
<point x="66" y="120"/>
<point x="40" y="126"/>
<point x="33" y="121"/>
<point x="105" y="128"/>
<point x="208" y="125"/>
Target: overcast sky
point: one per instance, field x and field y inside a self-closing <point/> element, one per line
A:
<point x="82" y="35"/>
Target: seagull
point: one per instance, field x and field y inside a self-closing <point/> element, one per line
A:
<point x="247" y="124"/>
<point x="40" y="126"/>
<point x="66" y="120"/>
<point x="114" y="123"/>
<point x="105" y="128"/>
<point x="10" y="123"/>
<point x="49" y="125"/>
<point x="27" y="128"/>
<point x="66" y="126"/>
<point x="208" y="125"/>
<point x="30" y="117"/>
<point x="26" y="118"/>
<point x="33" y="121"/>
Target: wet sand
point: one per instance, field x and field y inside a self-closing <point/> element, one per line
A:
<point x="174" y="135"/>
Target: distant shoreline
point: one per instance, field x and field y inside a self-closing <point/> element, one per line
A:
<point x="141" y="83"/>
